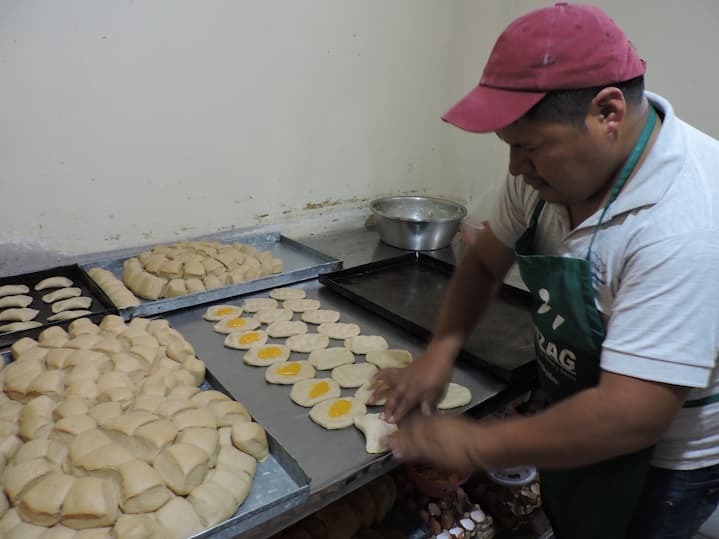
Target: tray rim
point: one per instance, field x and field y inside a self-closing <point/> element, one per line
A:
<point x="326" y="263"/>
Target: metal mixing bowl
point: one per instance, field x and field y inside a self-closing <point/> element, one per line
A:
<point x="417" y="223"/>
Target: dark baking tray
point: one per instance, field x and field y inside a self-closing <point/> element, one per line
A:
<point x="101" y="304"/>
<point x="408" y="290"/>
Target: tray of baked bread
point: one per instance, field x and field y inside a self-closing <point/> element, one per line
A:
<point x="120" y="428"/>
<point x="31" y="302"/>
<point x="173" y="276"/>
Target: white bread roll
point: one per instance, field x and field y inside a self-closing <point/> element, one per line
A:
<point x="141" y="488"/>
<point x="41" y="503"/>
<point x="90" y="503"/>
<point x="182" y="467"/>
<point x="250" y="438"/>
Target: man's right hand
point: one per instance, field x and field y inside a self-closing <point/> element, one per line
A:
<point x="422" y="383"/>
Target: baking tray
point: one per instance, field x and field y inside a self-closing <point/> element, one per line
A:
<point x="300" y="262"/>
<point x="101" y="304"/>
<point x="331" y="459"/>
<point x="409" y="290"/>
<point x="279" y="482"/>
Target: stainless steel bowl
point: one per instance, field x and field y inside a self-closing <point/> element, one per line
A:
<point x="417" y="223"/>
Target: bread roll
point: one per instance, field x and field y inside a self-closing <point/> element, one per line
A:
<point x="82" y="326"/>
<point x="182" y="467"/>
<point x="250" y="438"/>
<point x="55" y="358"/>
<point x="25" y="530"/>
<point x="90" y="503"/>
<point x="151" y="438"/>
<point x="235" y="481"/>
<point x="18" y="477"/>
<point x="66" y="429"/>
<point x="141" y="488"/>
<point x="237" y="460"/>
<point x="21" y="345"/>
<point x="41" y="503"/>
<point x="212" y="503"/>
<point x="194" y="417"/>
<point x="105" y="412"/>
<point x="203" y="398"/>
<point x="85" y="443"/>
<point x="179" y="517"/>
<point x="113" y="323"/>
<point x="227" y="413"/>
<point x="37" y="352"/>
<point x="71" y="406"/>
<point x="54" y="452"/>
<point x="183" y="392"/>
<point x="206" y="439"/>
<point x="139" y="527"/>
<point x="58" y="532"/>
<point x="84" y="341"/>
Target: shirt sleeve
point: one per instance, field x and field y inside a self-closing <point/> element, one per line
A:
<point x="664" y="322"/>
<point x="509" y="218"/>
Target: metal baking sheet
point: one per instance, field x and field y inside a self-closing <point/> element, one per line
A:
<point x="409" y="290"/>
<point x="279" y="482"/>
<point x="101" y="304"/>
<point x="300" y="262"/>
<point x="332" y="459"/>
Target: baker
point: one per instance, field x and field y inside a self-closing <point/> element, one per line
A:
<point x="611" y="211"/>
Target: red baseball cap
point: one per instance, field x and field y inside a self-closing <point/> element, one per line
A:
<point x="561" y="47"/>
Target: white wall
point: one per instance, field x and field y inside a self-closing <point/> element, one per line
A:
<point x="130" y="122"/>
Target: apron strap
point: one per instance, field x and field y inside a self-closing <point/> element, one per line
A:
<point x="627" y="168"/>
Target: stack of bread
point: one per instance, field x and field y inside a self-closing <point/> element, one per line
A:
<point x="104" y="432"/>
<point x="186" y="267"/>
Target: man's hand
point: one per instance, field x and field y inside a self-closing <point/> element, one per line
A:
<point x="422" y="383"/>
<point x="444" y="441"/>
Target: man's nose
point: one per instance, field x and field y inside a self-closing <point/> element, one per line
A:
<point x="519" y="162"/>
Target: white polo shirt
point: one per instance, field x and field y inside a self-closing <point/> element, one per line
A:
<point x="655" y="263"/>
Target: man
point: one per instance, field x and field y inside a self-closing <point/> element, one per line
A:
<point x="611" y="212"/>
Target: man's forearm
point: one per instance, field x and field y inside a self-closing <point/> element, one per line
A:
<point x="471" y="288"/>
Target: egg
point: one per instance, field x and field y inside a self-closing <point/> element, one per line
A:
<point x="262" y="356"/>
<point x="236" y="323"/>
<point x="243" y="340"/>
<point x="218" y="312"/>
<point x="309" y="392"/>
<point x="289" y="372"/>
<point x="338" y="413"/>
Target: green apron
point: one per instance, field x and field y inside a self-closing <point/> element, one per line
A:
<point x="595" y="501"/>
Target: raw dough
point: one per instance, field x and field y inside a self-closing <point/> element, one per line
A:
<point x="301" y="305"/>
<point x="251" y="438"/>
<point x="283" y="294"/>
<point x="182" y="467"/>
<point x="179" y="517"/>
<point x="337" y="413"/>
<point x="364" y="395"/>
<point x="216" y="313"/>
<point x="141" y="488"/>
<point x="62" y="293"/>
<point x="309" y="392"/>
<point x="243" y="340"/>
<point x="53" y="282"/>
<point x="361" y="344"/>
<point x="384" y="359"/>
<point x="307" y="342"/>
<point x="338" y="330"/>
<point x="213" y="503"/>
<point x="265" y="355"/>
<point x="374" y="430"/>
<point x="320" y="316"/>
<point x="90" y="503"/>
<point x="41" y="504"/>
<point x="15" y="301"/>
<point x="13" y="290"/>
<point x="236" y="323"/>
<point x="354" y="375"/>
<point x="252" y="305"/>
<point x="18" y="326"/>
<point x="71" y="303"/>
<point x="329" y="358"/>
<point x="68" y="315"/>
<point x="289" y="372"/>
<point x="274" y="315"/>
<point x="115" y="289"/>
<point x="18" y="315"/>
<point x="457" y="395"/>
<point x="284" y="328"/>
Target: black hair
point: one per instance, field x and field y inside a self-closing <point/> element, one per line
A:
<point x="570" y="106"/>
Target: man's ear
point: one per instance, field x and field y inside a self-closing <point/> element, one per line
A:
<point x="608" y="109"/>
